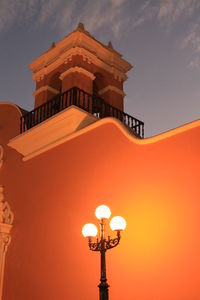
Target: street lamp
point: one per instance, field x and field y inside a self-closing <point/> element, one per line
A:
<point x="103" y="244"/>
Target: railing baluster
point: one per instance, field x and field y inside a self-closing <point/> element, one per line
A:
<point x="38" y="110"/>
<point x="74" y="96"/>
<point x="40" y="114"/>
<point x="70" y="98"/>
<point x="47" y="110"/>
<point x="52" y="108"/>
<point x="77" y="98"/>
<point x="64" y="100"/>
<point x="29" y="121"/>
<point x="21" y="118"/>
<point x="84" y="100"/>
<point x="43" y="112"/>
<point x="23" y="124"/>
<point x="61" y="102"/>
<point x="35" y="120"/>
<point x="89" y="103"/>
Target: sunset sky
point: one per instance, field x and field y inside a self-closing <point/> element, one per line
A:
<point x="161" y="39"/>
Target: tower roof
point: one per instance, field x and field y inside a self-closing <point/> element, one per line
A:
<point x="81" y="42"/>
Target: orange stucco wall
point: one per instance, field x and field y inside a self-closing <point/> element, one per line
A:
<point x="154" y="185"/>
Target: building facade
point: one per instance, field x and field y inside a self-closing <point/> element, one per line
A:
<point x="78" y="149"/>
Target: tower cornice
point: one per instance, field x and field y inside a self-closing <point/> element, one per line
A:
<point x="81" y="43"/>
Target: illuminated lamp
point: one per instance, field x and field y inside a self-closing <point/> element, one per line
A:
<point x="102" y="212"/>
<point x="117" y="223"/>
<point x="89" y="230"/>
<point x="102" y="244"/>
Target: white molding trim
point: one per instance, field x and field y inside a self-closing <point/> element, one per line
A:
<point x="77" y="70"/>
<point x="6" y="220"/>
<point x="81" y="41"/>
<point x="105" y="121"/>
<point x="52" y="132"/>
<point x="46" y="88"/>
<point x="111" y="88"/>
<point x="89" y="57"/>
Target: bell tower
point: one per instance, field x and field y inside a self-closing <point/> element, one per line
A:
<point x="79" y="60"/>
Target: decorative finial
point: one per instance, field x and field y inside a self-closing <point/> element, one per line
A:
<point x="53" y="45"/>
<point x="80" y="27"/>
<point x="110" y="45"/>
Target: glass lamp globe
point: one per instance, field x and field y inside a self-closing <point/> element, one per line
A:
<point x="89" y="230"/>
<point x="102" y="212"/>
<point x="118" y="223"/>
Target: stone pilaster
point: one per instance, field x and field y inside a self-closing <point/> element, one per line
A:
<point x="6" y="220"/>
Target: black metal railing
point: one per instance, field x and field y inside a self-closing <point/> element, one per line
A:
<point x="90" y="103"/>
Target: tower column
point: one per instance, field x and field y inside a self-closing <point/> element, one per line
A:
<point x="113" y="95"/>
<point x="43" y="94"/>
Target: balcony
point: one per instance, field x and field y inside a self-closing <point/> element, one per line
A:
<point x="90" y="103"/>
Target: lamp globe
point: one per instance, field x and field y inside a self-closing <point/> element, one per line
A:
<point x="89" y="230"/>
<point x="102" y="212"/>
<point x="118" y="223"/>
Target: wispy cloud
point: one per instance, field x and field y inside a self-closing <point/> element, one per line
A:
<point x="63" y="14"/>
<point x="7" y="13"/>
<point x="165" y="12"/>
<point x="113" y="16"/>
<point x="171" y="11"/>
<point x="103" y="14"/>
<point x="96" y="16"/>
<point x="146" y="12"/>
<point x="192" y="40"/>
<point x="47" y="10"/>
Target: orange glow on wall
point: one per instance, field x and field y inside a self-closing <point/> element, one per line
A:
<point x="153" y="184"/>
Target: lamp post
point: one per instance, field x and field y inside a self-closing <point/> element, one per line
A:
<point x="103" y="244"/>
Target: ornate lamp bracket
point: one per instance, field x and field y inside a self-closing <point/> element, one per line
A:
<point x="107" y="243"/>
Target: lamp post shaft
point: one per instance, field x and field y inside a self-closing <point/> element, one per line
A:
<point x="103" y="244"/>
<point x="103" y="286"/>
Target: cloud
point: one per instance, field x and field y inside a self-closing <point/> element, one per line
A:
<point x="64" y="14"/>
<point x="117" y="3"/>
<point x="7" y="13"/>
<point x="114" y="17"/>
<point x="165" y="12"/>
<point x="192" y="40"/>
<point x="113" y="14"/>
<point x="12" y="11"/>
<point x="170" y="11"/>
<point x="96" y="15"/>
<point x="103" y="15"/>
<point x="47" y="10"/>
<point x="145" y="13"/>
<point x="168" y="14"/>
